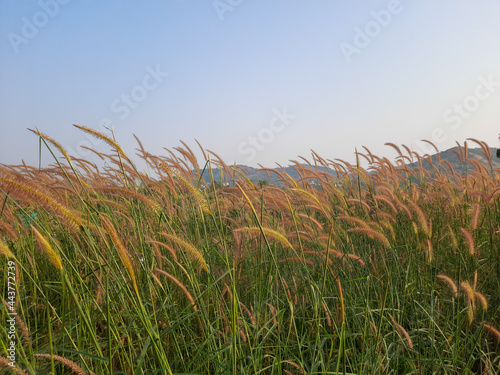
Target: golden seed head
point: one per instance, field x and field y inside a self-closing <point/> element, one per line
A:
<point x="47" y="248"/>
<point x="4" y="250"/>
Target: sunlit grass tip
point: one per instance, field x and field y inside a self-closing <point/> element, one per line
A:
<point x="47" y="248"/>
<point x="122" y="251"/>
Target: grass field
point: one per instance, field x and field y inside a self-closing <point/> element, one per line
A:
<point x="378" y="270"/>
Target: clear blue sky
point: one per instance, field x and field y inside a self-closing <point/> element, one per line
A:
<point x="255" y="81"/>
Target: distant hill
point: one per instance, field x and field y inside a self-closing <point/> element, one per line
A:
<point x="451" y="156"/>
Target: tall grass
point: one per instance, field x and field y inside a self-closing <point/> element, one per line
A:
<point x="388" y="269"/>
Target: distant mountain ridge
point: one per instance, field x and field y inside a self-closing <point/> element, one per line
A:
<point x="451" y="155"/>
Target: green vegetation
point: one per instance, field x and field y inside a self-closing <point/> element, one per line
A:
<point x="385" y="270"/>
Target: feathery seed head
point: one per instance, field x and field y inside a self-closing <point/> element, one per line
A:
<point x="47" y="248"/>
<point x="4" y="250"/>
<point x="449" y="282"/>
<point x="122" y="251"/>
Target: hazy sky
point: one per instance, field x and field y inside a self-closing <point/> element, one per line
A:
<point x="255" y="81"/>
